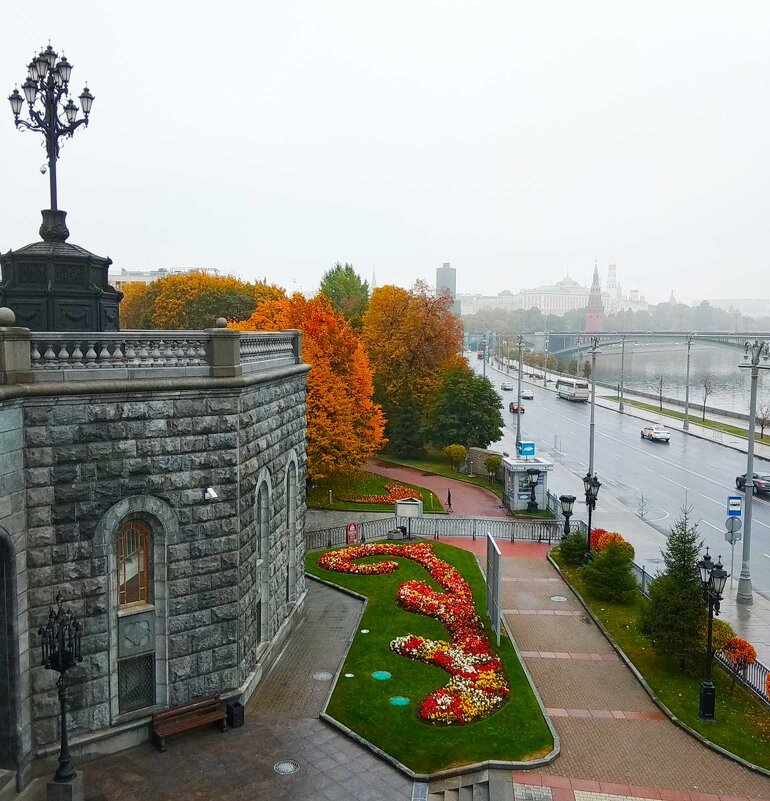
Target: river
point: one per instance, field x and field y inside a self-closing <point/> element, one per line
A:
<point x="647" y="362"/>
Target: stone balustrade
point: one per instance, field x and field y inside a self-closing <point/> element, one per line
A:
<point x="31" y="357"/>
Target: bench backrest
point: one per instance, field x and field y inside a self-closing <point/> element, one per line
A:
<point x="200" y="706"/>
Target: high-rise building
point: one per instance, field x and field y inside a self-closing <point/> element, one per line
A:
<point x="595" y="310"/>
<point x="446" y="283"/>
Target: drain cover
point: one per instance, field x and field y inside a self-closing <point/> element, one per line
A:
<point x="322" y="675"/>
<point x="399" y="700"/>
<point x="286" y="766"/>
<point x="381" y="675"/>
<point x="364" y="631"/>
<point x="560" y="599"/>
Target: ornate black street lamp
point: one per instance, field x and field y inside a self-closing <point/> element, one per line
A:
<point x="534" y="476"/>
<point x="567" y="502"/>
<point x="713" y="579"/>
<point x="591" y="484"/>
<point x="47" y="84"/>
<point x="60" y="642"/>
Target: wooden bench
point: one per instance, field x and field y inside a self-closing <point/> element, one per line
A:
<point x="187" y="717"/>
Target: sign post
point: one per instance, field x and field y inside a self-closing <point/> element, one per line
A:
<point x="351" y="533"/>
<point x="732" y="535"/>
<point x="493" y="584"/>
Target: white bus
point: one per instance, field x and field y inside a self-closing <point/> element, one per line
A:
<point x="574" y="389"/>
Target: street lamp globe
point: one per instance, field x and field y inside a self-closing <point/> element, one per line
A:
<point x="16" y="101"/>
<point x="705" y="565"/>
<point x="567" y="502"/>
<point x="534" y="476"/>
<point x="718" y="578"/>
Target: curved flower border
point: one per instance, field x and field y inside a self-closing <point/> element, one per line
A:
<point x="477" y="684"/>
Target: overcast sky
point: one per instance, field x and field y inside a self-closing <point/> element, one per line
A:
<point x="517" y="141"/>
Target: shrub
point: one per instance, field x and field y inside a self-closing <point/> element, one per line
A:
<point x="609" y="575"/>
<point x="456" y="454"/>
<point x="574" y="548"/>
<point x="721" y="633"/>
<point x="605" y="538"/>
<point x="741" y="654"/>
<point x="767" y="685"/>
<point x="492" y="464"/>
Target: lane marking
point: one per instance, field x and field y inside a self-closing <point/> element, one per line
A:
<point x="718" y="503"/>
<point x="706" y="523"/>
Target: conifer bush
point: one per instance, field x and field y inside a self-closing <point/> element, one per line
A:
<point x="609" y="575"/>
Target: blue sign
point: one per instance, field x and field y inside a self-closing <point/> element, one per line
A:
<point x="734" y="505"/>
<point x="526" y="449"/>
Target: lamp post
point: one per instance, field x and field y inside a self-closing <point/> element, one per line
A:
<point x="534" y="476"/>
<point x="754" y="351"/>
<point x="621" y="408"/>
<point x="591" y="484"/>
<point x="520" y="343"/>
<point x="47" y="85"/>
<point x="594" y="350"/>
<point x="567" y="502"/>
<point x="545" y="363"/>
<point x="60" y="644"/>
<point x="686" y="424"/>
<point x="484" y="360"/>
<point x="713" y="579"/>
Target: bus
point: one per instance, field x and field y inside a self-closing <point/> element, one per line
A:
<point x="574" y="389"/>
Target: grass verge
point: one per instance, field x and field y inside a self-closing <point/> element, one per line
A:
<point x="436" y="463"/>
<point x="360" y="483"/>
<point x="517" y="731"/>
<point x="737" y="431"/>
<point x="742" y="724"/>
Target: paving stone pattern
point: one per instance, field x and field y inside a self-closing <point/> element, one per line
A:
<point x="621" y="752"/>
<point x="281" y="723"/>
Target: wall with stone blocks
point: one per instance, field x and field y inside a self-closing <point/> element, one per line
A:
<point x="85" y="457"/>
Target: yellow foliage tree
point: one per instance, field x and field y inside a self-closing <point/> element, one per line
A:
<point x="344" y="425"/>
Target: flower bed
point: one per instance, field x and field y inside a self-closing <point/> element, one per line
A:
<point x="396" y="492"/>
<point x="478" y="685"/>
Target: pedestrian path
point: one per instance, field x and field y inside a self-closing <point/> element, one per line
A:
<point x="467" y="499"/>
<point x="613" y="738"/>
<point x="281" y="724"/>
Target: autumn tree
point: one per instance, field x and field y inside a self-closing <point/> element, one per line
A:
<point x="465" y="409"/>
<point x="344" y="424"/>
<point x="456" y="454"/>
<point x="264" y="291"/>
<point x="347" y="291"/>
<point x="763" y="418"/>
<point x="191" y="301"/>
<point x="412" y="339"/>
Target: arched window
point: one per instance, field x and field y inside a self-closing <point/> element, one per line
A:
<point x="291" y="530"/>
<point x="133" y="562"/>
<point x="263" y="516"/>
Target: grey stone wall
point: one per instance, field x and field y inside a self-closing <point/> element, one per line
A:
<point x="90" y="459"/>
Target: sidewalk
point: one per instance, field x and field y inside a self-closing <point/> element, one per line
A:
<point x="614" y="740"/>
<point x="467" y="499"/>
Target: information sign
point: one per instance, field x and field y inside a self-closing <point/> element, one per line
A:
<point x="351" y="533"/>
<point x="733" y="524"/>
<point x="526" y="449"/>
<point x="734" y="505"/>
<point x="493" y="584"/>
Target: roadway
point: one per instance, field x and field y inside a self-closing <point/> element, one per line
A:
<point x="687" y="472"/>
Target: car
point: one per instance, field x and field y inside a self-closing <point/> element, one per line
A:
<point x="656" y="433"/>
<point x="761" y="483"/>
<point x="527" y="394"/>
<point x="506" y="386"/>
<point x="514" y="408"/>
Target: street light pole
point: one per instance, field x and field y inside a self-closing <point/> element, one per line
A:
<point x="686" y="424"/>
<point x="594" y="351"/>
<point x="622" y="370"/>
<point x="567" y="502"/>
<point x="518" y="397"/>
<point x="754" y="351"/>
<point x="484" y="360"/>
<point x="591" y="485"/>
<point x="713" y="579"/>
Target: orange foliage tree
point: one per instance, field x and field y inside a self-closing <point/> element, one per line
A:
<point x="741" y="654"/>
<point x="344" y="424"/>
<point x="191" y="300"/>
<point x="413" y="340"/>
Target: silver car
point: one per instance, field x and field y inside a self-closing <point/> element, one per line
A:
<point x="656" y="433"/>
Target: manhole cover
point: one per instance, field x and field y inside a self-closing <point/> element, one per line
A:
<point x="349" y="675"/>
<point x="381" y="675"/>
<point x="364" y="631"/>
<point x="286" y="766"/>
<point x="399" y="700"/>
<point x="322" y="675"/>
<point x="560" y="599"/>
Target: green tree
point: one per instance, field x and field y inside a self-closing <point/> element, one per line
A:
<point x="493" y="463"/>
<point x="465" y="409"/>
<point x="456" y="455"/>
<point x="609" y="575"/>
<point x="675" y="616"/>
<point x="348" y="293"/>
<point x="404" y="429"/>
<point x="574" y="548"/>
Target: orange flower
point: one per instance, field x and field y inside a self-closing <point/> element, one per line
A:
<point x="740" y="652"/>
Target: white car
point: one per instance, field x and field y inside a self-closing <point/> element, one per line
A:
<point x="527" y="394"/>
<point x="656" y="433"/>
<point x="506" y="386"/>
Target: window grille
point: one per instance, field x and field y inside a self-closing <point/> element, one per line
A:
<point x="133" y="562"/>
<point x="136" y="683"/>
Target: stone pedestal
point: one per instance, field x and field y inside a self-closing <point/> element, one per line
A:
<point x="66" y="791"/>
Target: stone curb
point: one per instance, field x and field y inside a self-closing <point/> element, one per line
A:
<point x="646" y="687"/>
<point x="449" y="772"/>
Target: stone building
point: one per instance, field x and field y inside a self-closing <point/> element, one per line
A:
<point x="595" y="310"/>
<point x="156" y="480"/>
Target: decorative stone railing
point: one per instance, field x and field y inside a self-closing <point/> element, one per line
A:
<point x="31" y="357"/>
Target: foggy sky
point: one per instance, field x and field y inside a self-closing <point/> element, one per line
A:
<point x="517" y="141"/>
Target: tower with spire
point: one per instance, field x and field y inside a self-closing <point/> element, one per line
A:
<point x="595" y="309"/>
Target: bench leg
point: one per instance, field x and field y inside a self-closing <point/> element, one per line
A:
<point x="160" y="742"/>
<point x="222" y="725"/>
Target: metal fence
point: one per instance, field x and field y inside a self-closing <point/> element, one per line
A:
<point x="754" y="677"/>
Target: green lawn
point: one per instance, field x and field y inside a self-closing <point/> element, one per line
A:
<point x="742" y="724"/>
<point x="362" y="483"/>
<point x="436" y="462"/>
<point x="737" y="431"/>
<point x="517" y="731"/>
